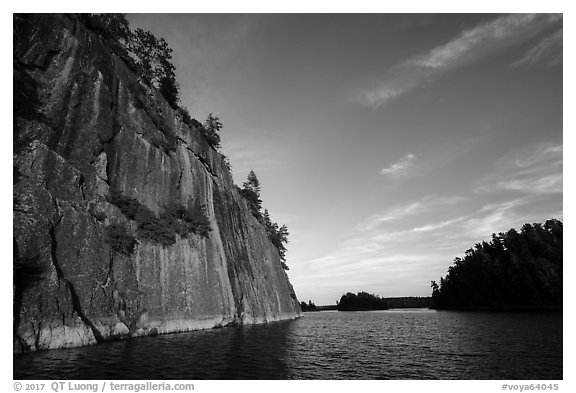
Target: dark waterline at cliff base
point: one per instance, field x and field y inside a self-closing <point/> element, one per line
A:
<point x="398" y="344"/>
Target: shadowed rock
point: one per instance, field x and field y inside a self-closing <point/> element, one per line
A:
<point x="85" y="124"/>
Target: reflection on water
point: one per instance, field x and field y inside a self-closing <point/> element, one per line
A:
<point x="420" y="344"/>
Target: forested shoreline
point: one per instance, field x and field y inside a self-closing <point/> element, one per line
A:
<point x="514" y="271"/>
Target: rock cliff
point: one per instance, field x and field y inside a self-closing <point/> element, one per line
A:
<point x="86" y="126"/>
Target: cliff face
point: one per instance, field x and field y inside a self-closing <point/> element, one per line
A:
<point x="84" y="125"/>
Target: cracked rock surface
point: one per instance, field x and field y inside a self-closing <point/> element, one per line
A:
<point x="83" y="124"/>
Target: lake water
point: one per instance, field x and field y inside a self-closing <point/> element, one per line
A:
<point x="395" y="344"/>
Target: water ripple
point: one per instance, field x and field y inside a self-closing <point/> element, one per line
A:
<point x="420" y="344"/>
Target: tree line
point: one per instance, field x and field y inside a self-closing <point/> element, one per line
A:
<point x="408" y="302"/>
<point x="515" y="270"/>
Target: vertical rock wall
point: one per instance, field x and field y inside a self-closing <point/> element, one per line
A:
<point x="85" y="124"/>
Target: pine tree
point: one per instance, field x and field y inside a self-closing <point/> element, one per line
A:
<point x="267" y="222"/>
<point x="253" y="182"/>
<point x="212" y="126"/>
<point x="251" y="192"/>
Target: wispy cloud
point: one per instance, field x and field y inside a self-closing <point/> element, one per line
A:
<point x="547" y="52"/>
<point x="484" y="38"/>
<point x="428" y="158"/>
<point x="438" y="225"/>
<point x="393" y="214"/>
<point x="411" y="209"/>
<point x="468" y="46"/>
<point x="401" y="168"/>
<point x="533" y="170"/>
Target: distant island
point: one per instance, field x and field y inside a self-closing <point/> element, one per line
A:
<point x="362" y="301"/>
<point x="515" y="271"/>
<point x="308" y="306"/>
<point x="391" y="303"/>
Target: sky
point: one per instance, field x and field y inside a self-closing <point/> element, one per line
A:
<point x="389" y="144"/>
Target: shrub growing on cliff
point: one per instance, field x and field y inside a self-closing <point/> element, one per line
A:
<point x="120" y="239"/>
<point x="197" y="217"/>
<point x="128" y="206"/>
<point x="185" y="220"/>
<point x="155" y="229"/>
<point x="174" y="219"/>
<point x="150" y="227"/>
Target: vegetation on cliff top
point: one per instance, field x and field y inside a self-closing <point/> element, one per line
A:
<point x="151" y="58"/>
<point x="154" y="56"/>
<point x="513" y="271"/>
